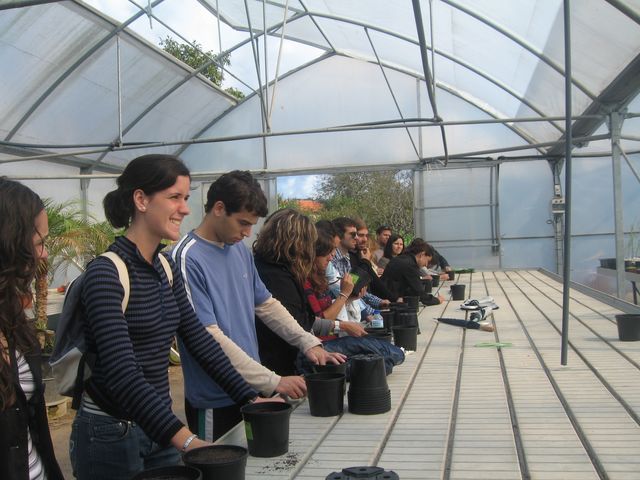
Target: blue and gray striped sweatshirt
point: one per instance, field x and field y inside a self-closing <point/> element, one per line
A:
<point x="133" y="349"/>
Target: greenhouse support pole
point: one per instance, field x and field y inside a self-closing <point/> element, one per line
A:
<point x="568" y="143"/>
<point x="615" y="126"/>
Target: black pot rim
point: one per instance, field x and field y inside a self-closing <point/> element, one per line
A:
<point x="243" y="453"/>
<point x="266" y="408"/>
<point x="324" y="376"/>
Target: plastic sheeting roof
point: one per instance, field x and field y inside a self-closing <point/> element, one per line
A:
<point x="346" y="81"/>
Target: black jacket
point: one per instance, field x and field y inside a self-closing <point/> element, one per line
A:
<point x="377" y="286"/>
<point x="402" y="276"/>
<point x="23" y="415"/>
<point x="275" y="353"/>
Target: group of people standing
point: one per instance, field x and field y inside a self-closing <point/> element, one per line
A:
<point x="247" y="325"/>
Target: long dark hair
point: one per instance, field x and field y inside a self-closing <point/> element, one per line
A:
<point x="324" y="246"/>
<point x="19" y="207"/>
<point x="388" y="248"/>
<point x="149" y="173"/>
<point x="288" y="237"/>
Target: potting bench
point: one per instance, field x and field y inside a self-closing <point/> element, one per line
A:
<point x="470" y="404"/>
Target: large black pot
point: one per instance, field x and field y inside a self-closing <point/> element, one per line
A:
<point x="218" y="461"/>
<point x="628" y="327"/>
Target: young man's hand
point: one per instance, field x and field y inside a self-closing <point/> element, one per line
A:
<point x="320" y="356"/>
<point x="293" y="386"/>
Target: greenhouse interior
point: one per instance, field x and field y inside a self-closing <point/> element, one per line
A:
<point x="517" y="120"/>
<point x="340" y="86"/>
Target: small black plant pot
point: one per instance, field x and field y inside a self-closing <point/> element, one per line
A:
<point x="435" y="280"/>
<point x="628" y="327"/>
<point x="218" y="461"/>
<point x="388" y="317"/>
<point x="413" y="302"/>
<point x="266" y="425"/>
<point x="325" y="393"/>
<point x="331" y="368"/>
<point x="457" y="291"/>
<point x="608" y="263"/>
<point x="367" y="371"/>
<point x="175" y="472"/>
<point x="406" y="319"/>
<point x="406" y="337"/>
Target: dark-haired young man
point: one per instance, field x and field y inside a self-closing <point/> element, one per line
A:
<point x="402" y="274"/>
<point x="382" y="235"/>
<point x="226" y="292"/>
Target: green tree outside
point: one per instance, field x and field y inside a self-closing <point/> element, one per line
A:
<point x="379" y="198"/>
<point x="196" y="58"/>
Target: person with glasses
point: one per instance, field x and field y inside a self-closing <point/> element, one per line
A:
<point x="26" y="451"/>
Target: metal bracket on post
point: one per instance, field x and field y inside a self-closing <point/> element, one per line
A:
<point x="84" y="189"/>
<point x="558" y="209"/>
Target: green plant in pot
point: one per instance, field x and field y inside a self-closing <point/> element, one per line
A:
<point x="73" y="239"/>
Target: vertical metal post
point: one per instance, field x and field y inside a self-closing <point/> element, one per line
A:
<point x="566" y="270"/>
<point x="419" y="222"/>
<point x="119" y="90"/>
<point x="615" y="126"/>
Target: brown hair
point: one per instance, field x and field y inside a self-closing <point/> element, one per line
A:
<point x="324" y="246"/>
<point x="19" y="207"/>
<point x="288" y="237"/>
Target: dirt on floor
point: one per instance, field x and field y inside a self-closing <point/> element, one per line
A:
<point x="61" y="426"/>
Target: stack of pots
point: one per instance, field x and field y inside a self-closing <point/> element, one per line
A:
<point x="405" y="326"/>
<point x="369" y="392"/>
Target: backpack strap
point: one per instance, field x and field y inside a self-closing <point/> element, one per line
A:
<point x="123" y="273"/>
<point x="167" y="268"/>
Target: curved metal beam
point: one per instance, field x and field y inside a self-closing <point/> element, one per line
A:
<point x="70" y="70"/>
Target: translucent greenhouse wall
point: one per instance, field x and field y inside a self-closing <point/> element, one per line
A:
<point x="514" y="226"/>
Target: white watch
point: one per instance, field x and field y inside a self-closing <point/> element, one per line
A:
<point x="336" y="326"/>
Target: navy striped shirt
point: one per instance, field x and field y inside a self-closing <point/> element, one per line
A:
<point x="133" y="349"/>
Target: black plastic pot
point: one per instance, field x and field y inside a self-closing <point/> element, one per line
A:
<point x="452" y="275"/>
<point x="175" y="472"/>
<point x="325" y="393"/>
<point x="406" y="319"/>
<point x="426" y="285"/>
<point x="413" y="302"/>
<point x="369" y="401"/>
<point x="218" y="461"/>
<point x="608" y="263"/>
<point x="266" y="425"/>
<point x="628" y="327"/>
<point x="435" y="280"/>
<point x="331" y="368"/>
<point x="387" y="318"/>
<point x="380" y="333"/>
<point x="367" y="371"/>
<point x="406" y="337"/>
<point x="457" y="291"/>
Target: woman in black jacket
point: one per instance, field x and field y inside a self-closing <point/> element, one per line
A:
<point x="26" y="451"/>
<point x="284" y="254"/>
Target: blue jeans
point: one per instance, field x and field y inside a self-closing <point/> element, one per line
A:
<point x="105" y="448"/>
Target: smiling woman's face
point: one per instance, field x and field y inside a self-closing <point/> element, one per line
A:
<point x="397" y="246"/>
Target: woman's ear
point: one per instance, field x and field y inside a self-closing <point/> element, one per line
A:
<point x="140" y="200"/>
